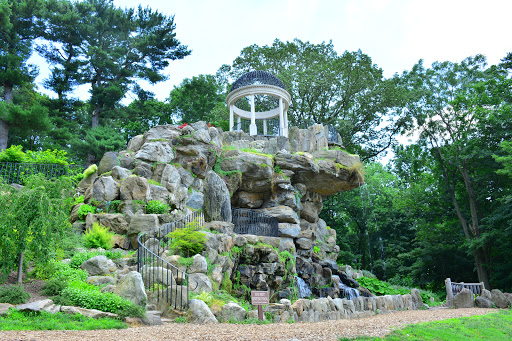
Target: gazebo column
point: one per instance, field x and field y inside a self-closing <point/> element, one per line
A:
<point x="285" y="128"/>
<point x="238" y="123"/>
<point x="265" y="127"/>
<point x="231" y="120"/>
<point x="281" y="119"/>
<point x="252" y="129"/>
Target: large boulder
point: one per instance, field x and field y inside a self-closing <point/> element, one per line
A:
<point x="120" y="173"/>
<point x="142" y="223"/>
<point x="283" y="214"/>
<point x="199" y="265"/>
<point x="483" y="302"/>
<point x="116" y="222"/>
<point x="464" y="299"/>
<point x="134" y="188"/>
<point x="499" y="299"/>
<point x="199" y="282"/>
<point x="156" y="151"/>
<point x="108" y="161"/>
<point x="135" y="143"/>
<point x="105" y="189"/>
<point x="217" y="202"/>
<point x="131" y="287"/>
<point x="417" y="301"/>
<point x="198" y="312"/>
<point x="99" y="266"/>
<point x="256" y="169"/>
<point x="232" y="312"/>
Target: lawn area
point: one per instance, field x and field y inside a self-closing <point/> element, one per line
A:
<point x="16" y="320"/>
<point x="494" y="326"/>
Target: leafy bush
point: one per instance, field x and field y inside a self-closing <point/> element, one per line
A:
<point x="16" y="154"/>
<point x="157" y="207"/>
<point x="89" y="296"/>
<point x="13" y="294"/>
<point x="18" y="320"/>
<point x="68" y="273"/>
<point x="84" y="209"/>
<point x="90" y="170"/>
<point x="98" y="236"/>
<point x="53" y="287"/>
<point x="187" y="241"/>
<point x="79" y="258"/>
<point x="380" y="288"/>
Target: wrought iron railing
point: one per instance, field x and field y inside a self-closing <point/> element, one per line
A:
<point x="272" y="129"/>
<point x="248" y="221"/>
<point x="14" y="172"/>
<point x="171" y="283"/>
<point x="333" y="136"/>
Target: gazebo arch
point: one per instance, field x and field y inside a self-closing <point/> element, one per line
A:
<point x="253" y="84"/>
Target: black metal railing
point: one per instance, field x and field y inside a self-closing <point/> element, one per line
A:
<point x="14" y="172"/>
<point x="248" y="221"/>
<point x="333" y="136"/>
<point x="168" y="281"/>
<point x="273" y="128"/>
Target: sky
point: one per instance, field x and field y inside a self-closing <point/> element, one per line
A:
<point x="396" y="34"/>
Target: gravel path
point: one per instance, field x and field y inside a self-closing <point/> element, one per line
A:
<point x="378" y="325"/>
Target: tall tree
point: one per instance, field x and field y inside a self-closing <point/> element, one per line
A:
<point x="347" y="90"/>
<point x="196" y="98"/>
<point x="462" y="125"/>
<point x="19" y="26"/>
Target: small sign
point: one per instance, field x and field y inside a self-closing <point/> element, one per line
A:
<point x="259" y="297"/>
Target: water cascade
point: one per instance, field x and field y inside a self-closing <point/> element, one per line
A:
<point x="303" y="287"/>
<point x="348" y="292"/>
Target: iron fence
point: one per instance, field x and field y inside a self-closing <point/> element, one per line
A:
<point x="333" y="136"/>
<point x="248" y="221"/>
<point x="14" y="172"/>
<point x="168" y="281"/>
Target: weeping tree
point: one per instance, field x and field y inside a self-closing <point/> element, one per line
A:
<point x="34" y="220"/>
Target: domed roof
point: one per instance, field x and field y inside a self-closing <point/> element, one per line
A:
<point x="257" y="77"/>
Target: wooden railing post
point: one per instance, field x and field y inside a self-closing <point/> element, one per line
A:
<point x="449" y="292"/>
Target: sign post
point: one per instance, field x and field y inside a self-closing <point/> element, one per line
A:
<point x="259" y="298"/>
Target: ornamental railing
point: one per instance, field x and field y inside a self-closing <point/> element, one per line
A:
<point x="248" y="221"/>
<point x="168" y="281"/>
<point x="14" y="172"/>
<point x="453" y="288"/>
<point x="272" y="128"/>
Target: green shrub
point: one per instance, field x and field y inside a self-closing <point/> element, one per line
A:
<point x="98" y="236"/>
<point x="84" y="209"/>
<point x="157" y="207"/>
<point x="53" y="287"/>
<point x="89" y="296"/>
<point x="79" y="258"/>
<point x="90" y="170"/>
<point x="13" y="294"/>
<point x="187" y="241"/>
<point x="68" y="272"/>
<point x="12" y="154"/>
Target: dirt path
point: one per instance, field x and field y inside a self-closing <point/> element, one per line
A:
<point x="378" y="325"/>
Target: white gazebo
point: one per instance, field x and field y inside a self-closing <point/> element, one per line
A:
<point x="259" y="83"/>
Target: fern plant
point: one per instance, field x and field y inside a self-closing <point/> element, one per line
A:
<point x="98" y="236"/>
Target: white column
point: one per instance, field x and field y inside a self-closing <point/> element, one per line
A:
<point x="265" y="127"/>
<point x="285" y="129"/>
<point x="253" y="130"/>
<point x="231" y="121"/>
<point x="281" y="119"/>
<point x="238" y="123"/>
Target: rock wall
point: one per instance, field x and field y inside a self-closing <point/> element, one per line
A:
<point x="202" y="167"/>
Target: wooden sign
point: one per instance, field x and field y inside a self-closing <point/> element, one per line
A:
<point x="259" y="297"/>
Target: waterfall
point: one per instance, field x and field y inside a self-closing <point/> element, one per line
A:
<point x="348" y="292"/>
<point x="303" y="287"/>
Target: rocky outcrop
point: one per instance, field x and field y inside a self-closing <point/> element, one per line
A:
<point x="499" y="299"/>
<point x="99" y="266"/>
<point x="464" y="299"/>
<point x="131" y="287"/>
<point x="198" y="312"/>
<point x="217" y="204"/>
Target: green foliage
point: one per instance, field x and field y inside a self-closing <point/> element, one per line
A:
<point x="181" y="319"/>
<point x="278" y="170"/>
<point x="98" y="236"/>
<point x="153" y="182"/>
<point x="84" y="209"/>
<point x="17" y="320"/>
<point x="13" y="294"/>
<point x="34" y="220"/>
<point x="90" y="170"/>
<point x="79" y="258"/>
<point x="16" y="154"/>
<point x="157" y="207"/>
<point x="98" y="141"/>
<point x="187" y="241"/>
<point x="53" y="287"/>
<point x="89" y="296"/>
<point x="12" y="154"/>
<point x="186" y="261"/>
<point x="316" y="249"/>
<point x="69" y="272"/>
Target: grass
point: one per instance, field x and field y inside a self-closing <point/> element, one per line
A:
<point x="493" y="326"/>
<point x="16" y="320"/>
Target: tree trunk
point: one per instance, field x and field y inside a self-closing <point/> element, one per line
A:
<point x="4" y="125"/>
<point x="4" y="134"/>
<point x="20" y="269"/>
<point x="95" y="123"/>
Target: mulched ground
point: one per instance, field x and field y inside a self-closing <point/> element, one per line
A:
<point x="32" y="286"/>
